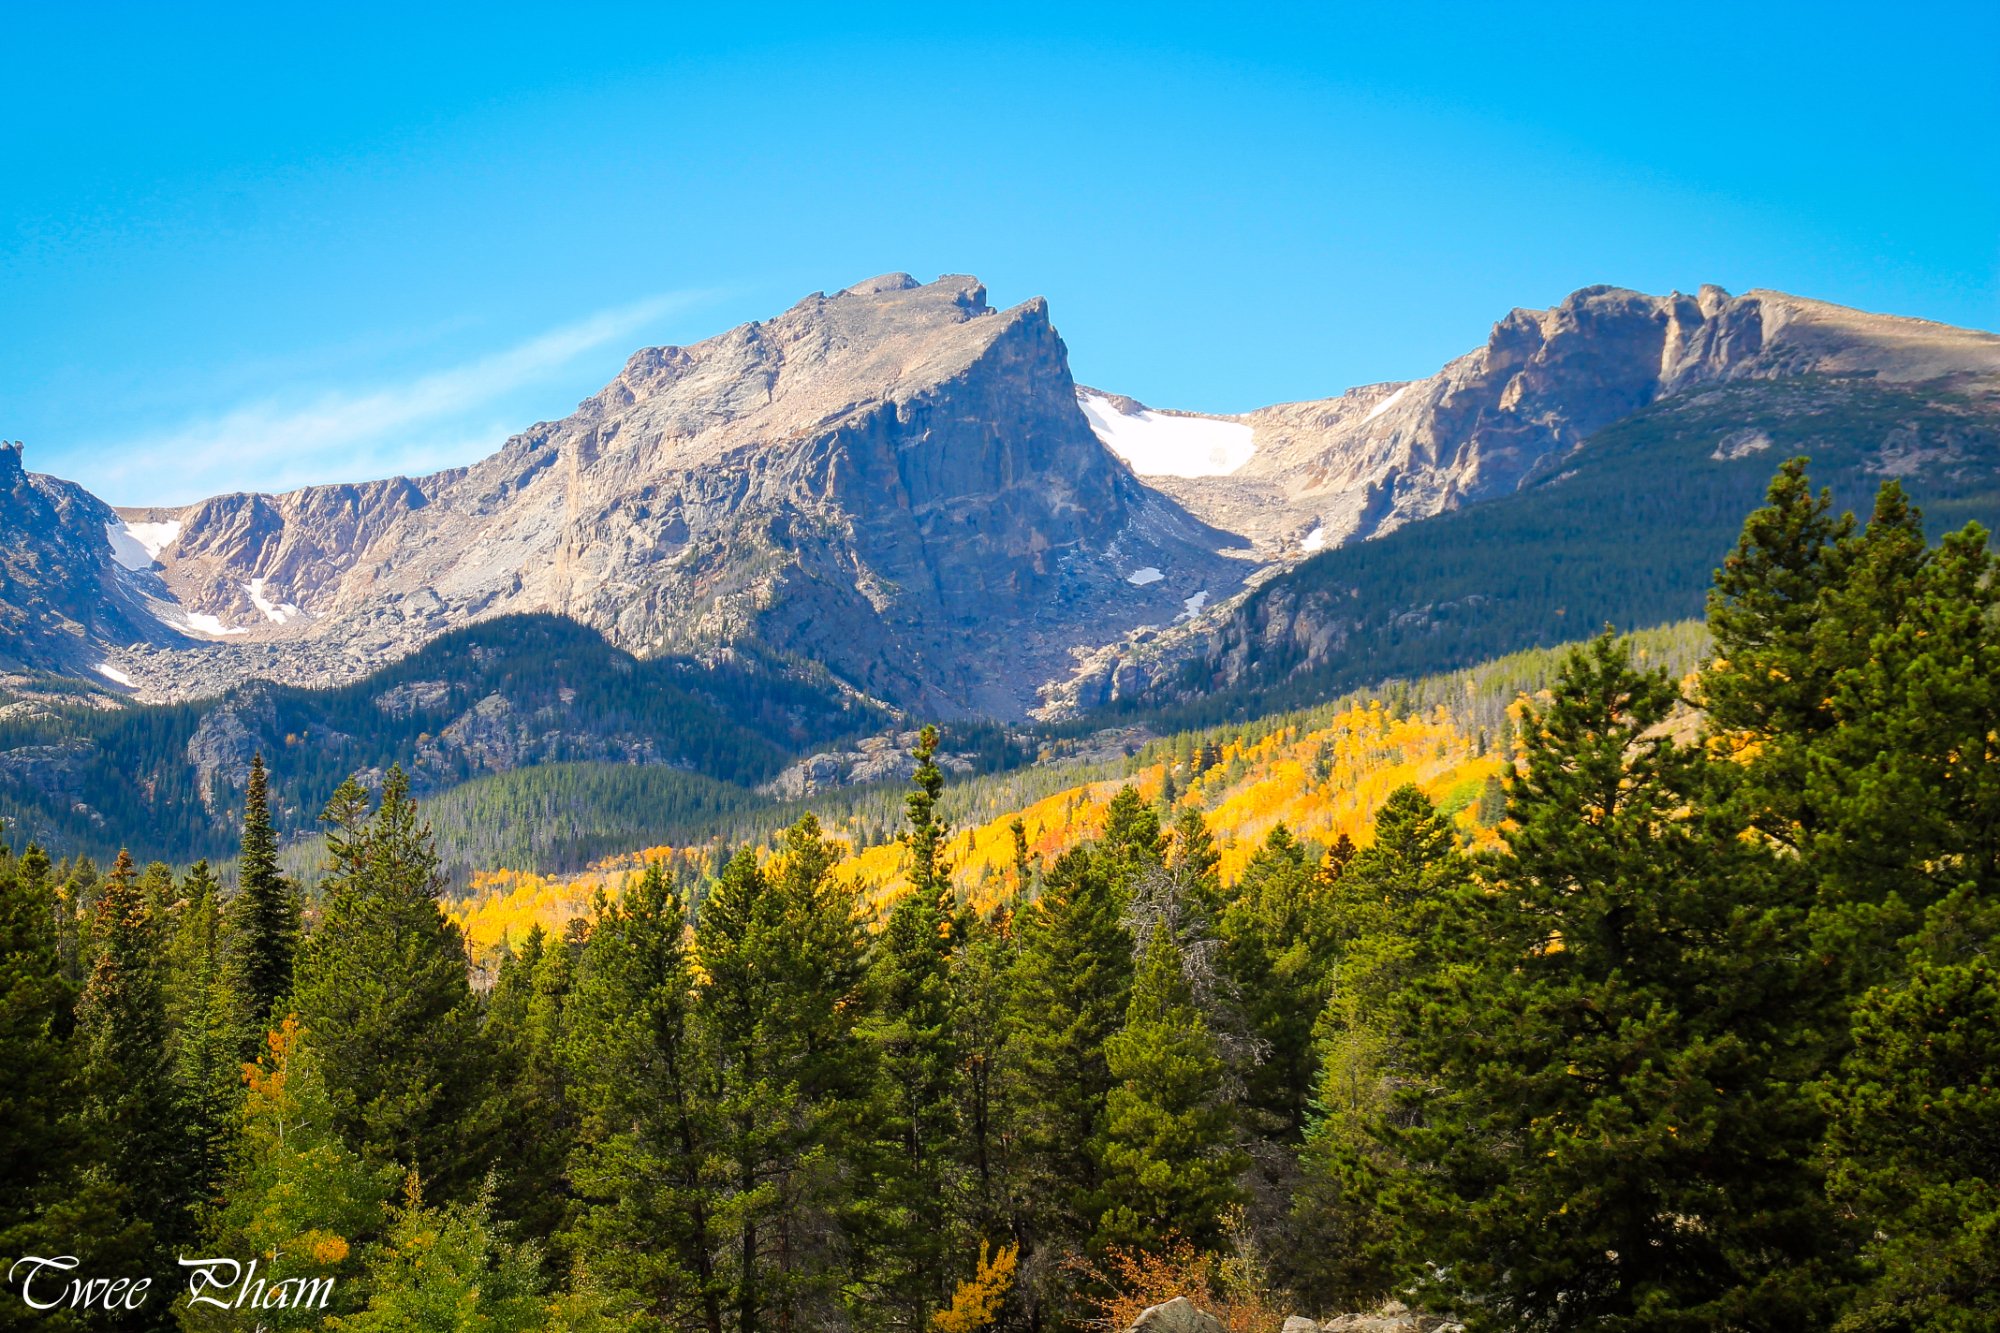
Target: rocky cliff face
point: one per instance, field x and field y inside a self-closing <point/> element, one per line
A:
<point x="63" y="597"/>
<point x="894" y="481"/>
<point x="1341" y="469"/>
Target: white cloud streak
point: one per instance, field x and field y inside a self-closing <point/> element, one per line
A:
<point x="435" y="420"/>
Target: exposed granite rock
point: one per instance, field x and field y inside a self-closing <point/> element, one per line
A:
<point x="874" y="759"/>
<point x="1178" y="1315"/>
<point x="1383" y="455"/>
<point x="894" y="481"/>
<point x="224" y="742"/>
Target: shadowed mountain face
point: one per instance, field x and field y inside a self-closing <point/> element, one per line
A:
<point x="894" y="481"/>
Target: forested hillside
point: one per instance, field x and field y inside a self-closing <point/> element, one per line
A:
<point x="509" y="693"/>
<point x="1624" y="530"/>
<point x="1659" y="1000"/>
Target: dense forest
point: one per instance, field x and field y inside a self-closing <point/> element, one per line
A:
<point x="1702" y="1033"/>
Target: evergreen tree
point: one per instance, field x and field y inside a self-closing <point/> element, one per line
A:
<point x="646" y="1228"/>
<point x="48" y="1205"/>
<point x="979" y="984"/>
<point x="1908" y="780"/>
<point x="783" y="959"/>
<point x="132" y="1103"/>
<point x="203" y="1013"/>
<point x="1916" y="1118"/>
<point x="1613" y="1134"/>
<point x="1384" y="918"/>
<point x="443" y="1270"/>
<point x="1168" y="1168"/>
<point x="913" y="1030"/>
<point x="1132" y="841"/>
<point x="527" y="1022"/>
<point x="1192" y="858"/>
<point x="930" y="874"/>
<point x="1278" y="939"/>
<point x="382" y="989"/>
<point x="1067" y="993"/>
<point x="263" y="916"/>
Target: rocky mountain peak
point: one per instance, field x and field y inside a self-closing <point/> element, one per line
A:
<point x="894" y="481"/>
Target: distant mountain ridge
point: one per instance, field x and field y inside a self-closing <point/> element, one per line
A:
<point x="1320" y="473"/>
<point x="904" y="486"/>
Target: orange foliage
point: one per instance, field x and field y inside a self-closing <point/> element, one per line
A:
<point x="1320" y="783"/>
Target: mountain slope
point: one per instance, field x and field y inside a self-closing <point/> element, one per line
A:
<point x="1626" y="529"/>
<point x="894" y="481"/>
<point x="513" y="693"/>
<point x="1317" y="474"/>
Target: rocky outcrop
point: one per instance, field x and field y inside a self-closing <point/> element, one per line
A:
<point x="1178" y="1315"/>
<point x="64" y="601"/>
<point x="886" y="758"/>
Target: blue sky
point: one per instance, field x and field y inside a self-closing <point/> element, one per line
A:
<point x="251" y="247"/>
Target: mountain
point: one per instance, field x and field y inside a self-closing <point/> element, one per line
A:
<point x="511" y="693"/>
<point x="1300" y="477"/>
<point x="903" y="487"/>
<point x="1624" y="528"/>
<point x="894" y="481"/>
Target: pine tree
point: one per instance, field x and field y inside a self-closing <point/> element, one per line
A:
<point x="263" y="917"/>
<point x="930" y="874"/>
<point x="1907" y="783"/>
<point x="1132" y="841"/>
<point x="1165" y="1148"/>
<point x="979" y="982"/>
<point x="527" y="1022"/>
<point x="448" y="1269"/>
<point x="1916" y="1115"/>
<point x="914" y="1032"/>
<point x="47" y="1203"/>
<point x="1613" y="1133"/>
<point x="1384" y="916"/>
<point x="381" y="988"/>
<point x="203" y="1013"/>
<point x="782" y="956"/>
<point x="1192" y="858"/>
<point x="647" y="1228"/>
<point x="1278" y="942"/>
<point x="1067" y="993"/>
<point x="133" y="1107"/>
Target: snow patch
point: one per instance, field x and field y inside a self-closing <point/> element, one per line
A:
<point x="137" y="545"/>
<point x="1315" y="540"/>
<point x="207" y="624"/>
<point x="1139" y="578"/>
<point x="1385" y="404"/>
<point x="1158" y="444"/>
<point x="109" y="672"/>
<point x="1195" y="603"/>
<point x="275" y="611"/>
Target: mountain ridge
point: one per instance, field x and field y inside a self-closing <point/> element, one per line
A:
<point x="904" y="483"/>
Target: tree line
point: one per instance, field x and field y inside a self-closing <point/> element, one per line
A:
<point x="1711" y="1042"/>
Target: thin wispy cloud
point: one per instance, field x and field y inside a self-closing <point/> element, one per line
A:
<point x="435" y="419"/>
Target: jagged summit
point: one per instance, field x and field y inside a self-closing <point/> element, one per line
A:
<point x="894" y="481"/>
